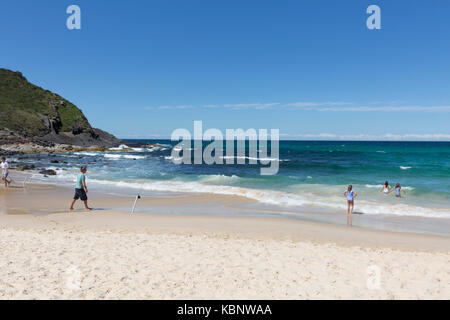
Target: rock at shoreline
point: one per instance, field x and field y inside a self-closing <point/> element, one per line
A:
<point x="8" y="153"/>
<point x="24" y="167"/>
<point x="48" y="172"/>
<point x="29" y="147"/>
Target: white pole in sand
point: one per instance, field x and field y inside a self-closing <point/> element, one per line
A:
<point x="135" y="201"/>
<point x="138" y="196"/>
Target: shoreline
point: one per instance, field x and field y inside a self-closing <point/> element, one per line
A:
<point x="208" y="204"/>
<point x="114" y="211"/>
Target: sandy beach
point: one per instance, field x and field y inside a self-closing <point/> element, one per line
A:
<point x="50" y="253"/>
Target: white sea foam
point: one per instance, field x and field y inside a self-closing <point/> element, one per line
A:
<point x="252" y="158"/>
<point x="156" y="148"/>
<point x="130" y="156"/>
<point x="329" y="196"/>
<point x="378" y="186"/>
<point x="170" y="158"/>
<point x="123" y="156"/>
<point x="121" y="147"/>
<point x="113" y="156"/>
<point x="281" y="198"/>
<point x="91" y="154"/>
<point x="219" y="178"/>
<point x="405" y="168"/>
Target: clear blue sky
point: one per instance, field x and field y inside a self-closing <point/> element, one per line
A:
<point x="310" y="68"/>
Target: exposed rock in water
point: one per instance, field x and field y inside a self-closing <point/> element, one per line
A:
<point x="48" y="172"/>
<point x="24" y="167"/>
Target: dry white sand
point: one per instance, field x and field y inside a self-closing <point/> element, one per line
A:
<point x="112" y="255"/>
<point x="54" y="263"/>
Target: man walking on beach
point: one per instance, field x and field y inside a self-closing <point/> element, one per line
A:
<point x="5" y="171"/>
<point x="81" y="189"/>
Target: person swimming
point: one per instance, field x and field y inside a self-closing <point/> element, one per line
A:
<point x="351" y="195"/>
<point x="386" y="188"/>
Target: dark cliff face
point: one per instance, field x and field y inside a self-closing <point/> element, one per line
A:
<point x="37" y="114"/>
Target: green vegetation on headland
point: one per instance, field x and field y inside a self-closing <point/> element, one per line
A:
<point x="34" y="111"/>
<point x="31" y="112"/>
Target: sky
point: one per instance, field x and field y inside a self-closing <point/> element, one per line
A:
<point x="312" y="69"/>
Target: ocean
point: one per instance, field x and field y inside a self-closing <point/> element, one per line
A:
<point x="313" y="175"/>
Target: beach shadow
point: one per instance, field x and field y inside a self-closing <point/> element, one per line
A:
<point x="358" y="213"/>
<point x="92" y="209"/>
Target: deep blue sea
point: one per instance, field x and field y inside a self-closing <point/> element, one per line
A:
<point x="311" y="174"/>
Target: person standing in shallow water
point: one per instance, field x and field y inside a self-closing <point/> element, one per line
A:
<point x="386" y="188"/>
<point x="81" y="189"/>
<point x="398" y="190"/>
<point x="351" y="195"/>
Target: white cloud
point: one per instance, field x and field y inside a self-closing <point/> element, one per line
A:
<point x="316" y="104"/>
<point x="310" y="136"/>
<point x="260" y="105"/>
<point x="244" y="105"/>
<point x="334" y="106"/>
<point x="169" y="107"/>
<point x="388" y="109"/>
<point x="331" y="106"/>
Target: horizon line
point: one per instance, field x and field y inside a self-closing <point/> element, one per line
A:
<point x="311" y="140"/>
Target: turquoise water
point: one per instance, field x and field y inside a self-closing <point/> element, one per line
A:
<point x="311" y="174"/>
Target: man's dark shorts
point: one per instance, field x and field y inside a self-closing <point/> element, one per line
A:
<point x="80" y="194"/>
